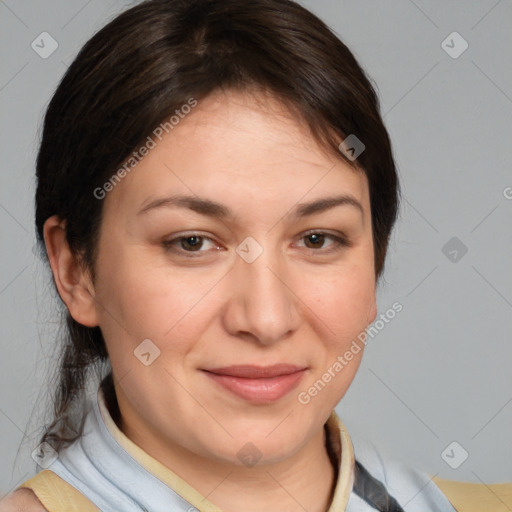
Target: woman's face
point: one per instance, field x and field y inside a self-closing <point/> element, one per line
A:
<point x="208" y="249"/>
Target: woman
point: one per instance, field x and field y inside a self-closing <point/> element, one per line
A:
<point x="216" y="190"/>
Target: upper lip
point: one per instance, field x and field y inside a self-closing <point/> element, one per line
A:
<point x="249" y="371"/>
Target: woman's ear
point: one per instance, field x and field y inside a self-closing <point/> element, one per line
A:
<point x="372" y="310"/>
<point x="73" y="282"/>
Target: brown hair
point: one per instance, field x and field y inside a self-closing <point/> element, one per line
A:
<point x="148" y="62"/>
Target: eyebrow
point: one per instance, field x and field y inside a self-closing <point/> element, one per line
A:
<point x="213" y="209"/>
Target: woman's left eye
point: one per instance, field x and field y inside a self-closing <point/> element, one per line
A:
<point x="316" y="240"/>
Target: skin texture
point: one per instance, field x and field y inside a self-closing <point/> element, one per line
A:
<point x="302" y="301"/>
<point x="22" y="500"/>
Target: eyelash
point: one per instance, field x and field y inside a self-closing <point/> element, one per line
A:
<point x="340" y="242"/>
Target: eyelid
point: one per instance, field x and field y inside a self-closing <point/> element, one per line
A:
<point x="334" y="234"/>
<point x="169" y="243"/>
<point x="340" y="239"/>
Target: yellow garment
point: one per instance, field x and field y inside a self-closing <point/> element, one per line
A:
<point x="470" y="497"/>
<point x="57" y="495"/>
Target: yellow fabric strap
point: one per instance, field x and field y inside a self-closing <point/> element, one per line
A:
<point x="57" y="495"/>
<point x="470" y="497"/>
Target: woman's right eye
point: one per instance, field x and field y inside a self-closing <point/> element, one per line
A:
<point x="189" y="244"/>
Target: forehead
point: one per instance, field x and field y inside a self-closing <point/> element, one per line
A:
<point x="237" y="147"/>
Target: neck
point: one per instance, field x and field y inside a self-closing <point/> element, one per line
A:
<point x="305" y="481"/>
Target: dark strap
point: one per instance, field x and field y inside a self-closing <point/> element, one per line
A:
<point x="372" y="491"/>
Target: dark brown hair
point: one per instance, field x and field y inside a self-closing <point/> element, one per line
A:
<point x="148" y="62"/>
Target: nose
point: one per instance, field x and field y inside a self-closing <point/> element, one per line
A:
<point x="263" y="306"/>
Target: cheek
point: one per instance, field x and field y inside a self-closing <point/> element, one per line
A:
<point x="345" y="303"/>
<point x="141" y="301"/>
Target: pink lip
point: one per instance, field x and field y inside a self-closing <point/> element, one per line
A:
<point x="258" y="384"/>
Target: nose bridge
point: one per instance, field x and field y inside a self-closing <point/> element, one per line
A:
<point x="266" y="305"/>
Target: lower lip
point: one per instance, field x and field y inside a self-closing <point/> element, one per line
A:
<point x="260" y="391"/>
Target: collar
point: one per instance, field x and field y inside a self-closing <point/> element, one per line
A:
<point x="338" y="442"/>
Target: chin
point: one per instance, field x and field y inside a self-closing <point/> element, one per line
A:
<point x="272" y="439"/>
<point x="259" y="450"/>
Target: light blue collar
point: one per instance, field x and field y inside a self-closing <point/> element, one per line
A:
<point x="108" y="475"/>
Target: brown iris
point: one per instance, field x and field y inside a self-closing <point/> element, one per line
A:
<point x="192" y="243"/>
<point x="317" y="239"/>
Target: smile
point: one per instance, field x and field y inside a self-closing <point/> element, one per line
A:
<point x="258" y="384"/>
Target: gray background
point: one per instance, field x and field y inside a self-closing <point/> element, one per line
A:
<point x="440" y="371"/>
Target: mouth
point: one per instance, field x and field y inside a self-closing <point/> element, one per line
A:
<point x="257" y="384"/>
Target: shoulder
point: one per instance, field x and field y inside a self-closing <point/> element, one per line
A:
<point x="474" y="497"/>
<point x="21" y="500"/>
<point x="407" y="484"/>
<point x="423" y="491"/>
<point x="47" y="492"/>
